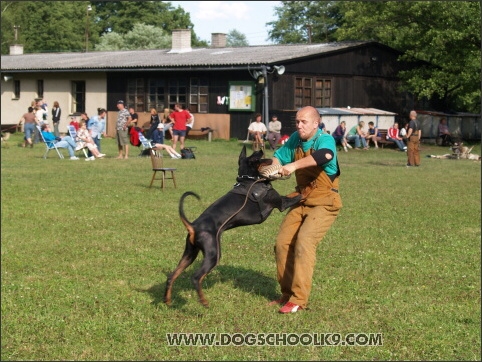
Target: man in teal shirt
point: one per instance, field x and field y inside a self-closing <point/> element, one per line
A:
<point x="311" y="155"/>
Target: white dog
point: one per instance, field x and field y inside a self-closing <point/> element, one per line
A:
<point x="459" y="151"/>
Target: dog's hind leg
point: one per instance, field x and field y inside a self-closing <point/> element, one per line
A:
<point x="190" y="254"/>
<point x="211" y="259"/>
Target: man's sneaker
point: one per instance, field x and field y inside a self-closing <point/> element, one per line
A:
<point x="101" y="155"/>
<point x="92" y="158"/>
<point x="74" y="158"/>
<point x="290" y="308"/>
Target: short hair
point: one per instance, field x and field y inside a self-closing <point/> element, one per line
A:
<point x="371" y="123"/>
<point x="45" y="125"/>
<point x="257" y="115"/>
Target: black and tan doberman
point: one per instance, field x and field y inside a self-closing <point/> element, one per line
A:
<point x="250" y="202"/>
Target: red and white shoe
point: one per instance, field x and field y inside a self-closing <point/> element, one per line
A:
<point x="290" y="308"/>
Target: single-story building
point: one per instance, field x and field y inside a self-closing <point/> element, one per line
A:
<point x="223" y="87"/>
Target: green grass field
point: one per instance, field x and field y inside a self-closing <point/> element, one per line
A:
<point x="87" y="246"/>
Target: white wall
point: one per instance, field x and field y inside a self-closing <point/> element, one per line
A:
<point x="57" y="87"/>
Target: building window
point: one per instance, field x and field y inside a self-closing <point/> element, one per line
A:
<point x="78" y="96"/>
<point x="312" y="92"/>
<point x="198" y="95"/>
<point x="40" y="88"/>
<point x="16" y="89"/>
<point x="178" y="92"/>
<point x="136" y="94"/>
<point x="157" y="94"/>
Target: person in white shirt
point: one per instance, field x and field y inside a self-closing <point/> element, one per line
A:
<point x="257" y="130"/>
<point x="274" y="134"/>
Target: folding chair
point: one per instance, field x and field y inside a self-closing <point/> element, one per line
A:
<point x="49" y="145"/>
<point x="157" y="166"/>
<point x="73" y="134"/>
<point x="146" y="145"/>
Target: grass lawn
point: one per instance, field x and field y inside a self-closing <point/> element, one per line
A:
<point x="86" y="248"/>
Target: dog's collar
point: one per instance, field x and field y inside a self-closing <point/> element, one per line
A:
<point x="244" y="177"/>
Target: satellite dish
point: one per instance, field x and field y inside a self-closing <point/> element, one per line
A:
<point x="280" y="69"/>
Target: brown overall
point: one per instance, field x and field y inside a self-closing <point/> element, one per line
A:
<point x="302" y="229"/>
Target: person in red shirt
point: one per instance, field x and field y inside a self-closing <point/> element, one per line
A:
<point x="180" y="117"/>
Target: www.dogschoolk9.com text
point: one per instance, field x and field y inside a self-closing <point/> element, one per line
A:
<point x="275" y="339"/>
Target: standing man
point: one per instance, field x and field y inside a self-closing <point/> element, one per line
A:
<point x="414" y="134"/>
<point x="274" y="134"/>
<point x="123" y="121"/>
<point x="180" y="118"/>
<point x="311" y="155"/>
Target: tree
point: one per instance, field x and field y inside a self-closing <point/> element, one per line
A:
<point x="142" y="36"/>
<point x="304" y="21"/>
<point x="445" y="34"/>
<point x="236" y="39"/>
<point x="441" y="39"/>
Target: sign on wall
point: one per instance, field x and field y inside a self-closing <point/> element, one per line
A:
<point x="241" y="96"/>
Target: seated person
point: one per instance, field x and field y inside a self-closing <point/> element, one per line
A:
<point x="157" y="135"/>
<point x="372" y="134"/>
<point x="444" y="133"/>
<point x="157" y="142"/>
<point x="394" y="136"/>
<point x="358" y="135"/>
<point x="85" y="140"/>
<point x="340" y="136"/>
<point x="64" y="142"/>
<point x="274" y="135"/>
<point x="257" y="130"/>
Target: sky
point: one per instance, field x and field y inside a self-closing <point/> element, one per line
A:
<point x="247" y="17"/>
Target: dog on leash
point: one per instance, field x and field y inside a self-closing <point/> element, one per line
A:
<point x="251" y="201"/>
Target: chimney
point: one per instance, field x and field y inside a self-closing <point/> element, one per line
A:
<point x="16" y="49"/>
<point x="181" y="41"/>
<point x="218" y="40"/>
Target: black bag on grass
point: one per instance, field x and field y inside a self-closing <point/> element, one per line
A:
<point x="187" y="153"/>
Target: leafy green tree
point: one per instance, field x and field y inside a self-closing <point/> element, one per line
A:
<point x="120" y="17"/>
<point x="304" y="21"/>
<point x="445" y="34"/>
<point x="142" y="36"/>
<point x="441" y="39"/>
<point x="236" y="39"/>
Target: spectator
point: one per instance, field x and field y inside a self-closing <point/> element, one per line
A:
<point x="180" y="118"/>
<point x="274" y="132"/>
<point x="444" y="133"/>
<point x="372" y="134"/>
<point x="158" y="134"/>
<point x="39" y="115"/>
<point x="340" y="136"/>
<point x="189" y="125"/>
<point x="96" y="126"/>
<point x="123" y="120"/>
<point x="85" y="140"/>
<point x="394" y="136"/>
<point x="153" y="123"/>
<point x="74" y="122"/>
<point x="64" y="142"/>
<point x="358" y="135"/>
<point x="166" y="119"/>
<point x="56" y="112"/>
<point x="29" y="122"/>
<point x="134" y="118"/>
<point x="322" y="125"/>
<point x="414" y="135"/>
<point x="257" y="130"/>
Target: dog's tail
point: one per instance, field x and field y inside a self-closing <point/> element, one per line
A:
<point x="184" y="219"/>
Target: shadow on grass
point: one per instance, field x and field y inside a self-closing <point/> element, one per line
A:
<point x="247" y="280"/>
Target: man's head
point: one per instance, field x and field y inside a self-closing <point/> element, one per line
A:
<point x="274" y="117"/>
<point x="413" y="115"/>
<point x="258" y="117"/>
<point x="120" y="105"/>
<point x="307" y="121"/>
<point x="131" y="110"/>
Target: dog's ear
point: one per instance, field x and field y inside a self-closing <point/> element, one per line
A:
<point x="243" y="153"/>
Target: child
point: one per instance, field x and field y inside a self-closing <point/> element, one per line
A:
<point x="85" y="140"/>
<point x="372" y="134"/>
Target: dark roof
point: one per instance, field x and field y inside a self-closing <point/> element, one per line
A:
<point x="204" y="58"/>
